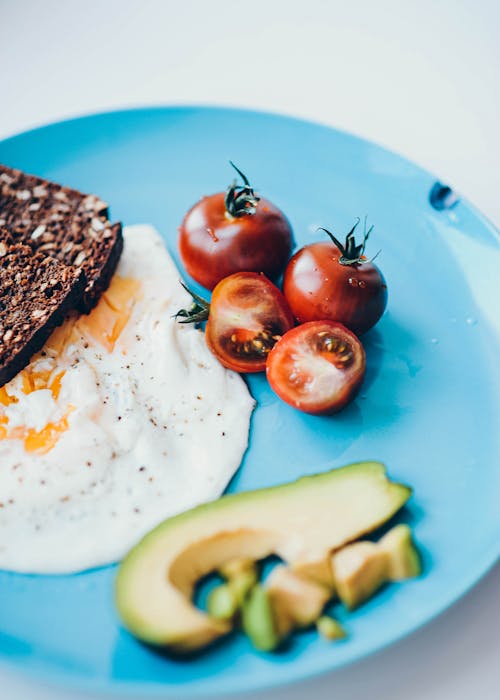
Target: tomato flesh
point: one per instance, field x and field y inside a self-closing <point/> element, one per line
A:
<point x="317" y="286"/>
<point x="248" y="315"/>
<point x="214" y="245"/>
<point x="317" y="367"/>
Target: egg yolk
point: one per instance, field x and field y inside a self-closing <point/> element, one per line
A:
<point x="3" y="429"/>
<point x="106" y="322"/>
<point x="40" y="441"/>
<point x="33" y="381"/>
<point x="103" y="325"/>
<point x="5" y="399"/>
<point x="43" y="441"/>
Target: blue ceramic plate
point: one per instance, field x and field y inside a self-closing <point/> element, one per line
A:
<point x="429" y="407"/>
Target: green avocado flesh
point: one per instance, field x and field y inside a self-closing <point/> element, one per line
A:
<point x="222" y="604"/>
<point x="300" y="521"/>
<point x="241" y="576"/>
<point x="330" y="629"/>
<point x="258" y="620"/>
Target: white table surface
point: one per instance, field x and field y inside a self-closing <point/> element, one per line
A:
<point x="421" y="77"/>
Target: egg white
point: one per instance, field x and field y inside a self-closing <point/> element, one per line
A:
<point x="141" y="432"/>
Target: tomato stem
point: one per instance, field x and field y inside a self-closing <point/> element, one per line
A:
<point x="240" y="200"/>
<point x="351" y="253"/>
<point x="198" y="311"/>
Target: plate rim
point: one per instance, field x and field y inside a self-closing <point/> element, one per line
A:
<point x="277" y="114"/>
<point x="115" y="688"/>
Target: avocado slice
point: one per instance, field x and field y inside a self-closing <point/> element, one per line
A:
<point x="403" y="558"/>
<point x="258" y="620"/>
<point x="298" y="601"/>
<point x="361" y="568"/>
<point x="234" y="568"/>
<point x="241" y="576"/>
<point x="330" y="629"/>
<point x="222" y="604"/>
<point x="318" y="570"/>
<point x="299" y="520"/>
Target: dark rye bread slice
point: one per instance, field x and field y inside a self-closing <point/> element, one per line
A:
<point x="64" y="223"/>
<point x="36" y="293"/>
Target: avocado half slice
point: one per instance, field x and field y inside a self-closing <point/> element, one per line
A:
<point x="300" y="521"/>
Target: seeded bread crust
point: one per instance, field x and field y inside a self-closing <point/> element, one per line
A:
<point x="63" y="223"/>
<point x="36" y="293"/>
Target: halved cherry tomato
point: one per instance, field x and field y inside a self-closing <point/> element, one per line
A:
<point x="247" y="315"/>
<point x="317" y="367"/>
<point x="331" y="280"/>
<point x="232" y="232"/>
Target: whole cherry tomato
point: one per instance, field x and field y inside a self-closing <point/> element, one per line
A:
<point x="232" y="232"/>
<point x="317" y="367"/>
<point x="247" y="315"/>
<point x="331" y="280"/>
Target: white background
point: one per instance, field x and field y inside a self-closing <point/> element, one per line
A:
<point x="421" y="77"/>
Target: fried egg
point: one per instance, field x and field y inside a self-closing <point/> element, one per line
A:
<point x="123" y="419"/>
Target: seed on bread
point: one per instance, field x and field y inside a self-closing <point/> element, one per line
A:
<point x="98" y="224"/>
<point x="39" y="229"/>
<point x="38" y="313"/>
<point x="79" y="258"/>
